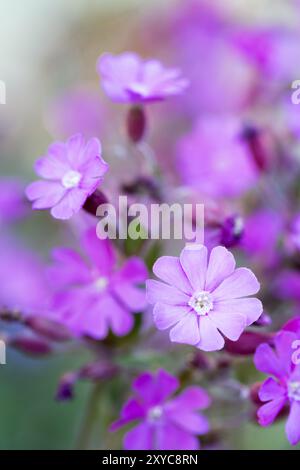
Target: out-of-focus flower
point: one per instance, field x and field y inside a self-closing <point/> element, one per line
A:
<point x="292" y="240"/>
<point x="96" y="296"/>
<point x="287" y="285"/>
<point x="127" y="78"/>
<point x="285" y="389"/>
<point x="201" y="300"/>
<point x="293" y="325"/>
<point x="22" y="279"/>
<point x="78" y="110"/>
<point x="204" y="24"/>
<point x="165" y="424"/>
<point x="274" y="51"/>
<point x="262" y="232"/>
<point x="12" y="200"/>
<point x="215" y="160"/>
<point x="71" y="171"/>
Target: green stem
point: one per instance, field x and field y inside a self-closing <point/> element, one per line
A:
<point x="84" y="439"/>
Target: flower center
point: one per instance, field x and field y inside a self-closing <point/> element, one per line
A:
<point x="155" y="413"/>
<point x="101" y="283"/>
<point x="71" y="179"/>
<point x="201" y="302"/>
<point x="294" y="390"/>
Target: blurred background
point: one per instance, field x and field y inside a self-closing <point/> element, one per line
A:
<point x="48" y="52"/>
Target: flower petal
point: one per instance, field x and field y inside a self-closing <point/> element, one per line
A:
<point x="268" y="412"/>
<point x="239" y="284"/>
<point x="139" y="438"/>
<point x="231" y="325"/>
<point x="186" y="331"/>
<point x="172" y="437"/>
<point x="155" y="388"/>
<point x="266" y="361"/>
<point x="193" y="259"/>
<point x="169" y="270"/>
<point x="293" y="423"/>
<point x="210" y="338"/>
<point x="160" y="292"/>
<point x="45" y="194"/>
<point x="134" y="298"/>
<point x="166" y="316"/>
<point x="271" y="390"/>
<point x="70" y="204"/>
<point x="250" y="307"/>
<point x="221" y="265"/>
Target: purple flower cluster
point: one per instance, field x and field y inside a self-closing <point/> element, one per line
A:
<point x="229" y="140"/>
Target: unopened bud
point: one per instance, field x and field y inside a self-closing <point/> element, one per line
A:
<point x="136" y="123"/>
<point x="30" y="345"/>
<point x="247" y="343"/>
<point x="94" y="201"/>
<point x="50" y="329"/>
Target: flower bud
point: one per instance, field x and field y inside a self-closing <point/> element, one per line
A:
<point x="247" y="343"/>
<point x="231" y="231"/>
<point x="65" y="389"/>
<point x="136" y="123"/>
<point x="50" y="329"/>
<point x="94" y="201"/>
<point x="30" y="345"/>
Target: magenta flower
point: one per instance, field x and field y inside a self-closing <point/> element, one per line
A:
<point x="164" y="424"/>
<point x="71" y="171"/>
<point x="127" y="78"/>
<point x="215" y="160"/>
<point x="285" y="388"/>
<point x="95" y="296"/>
<point x="201" y="300"/>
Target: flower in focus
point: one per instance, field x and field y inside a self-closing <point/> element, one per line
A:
<point x="215" y="160"/>
<point x="200" y="300"/>
<point x="285" y="388"/>
<point x="164" y="424"/>
<point x="95" y="296"/>
<point x="127" y="78"/>
<point x="71" y="171"/>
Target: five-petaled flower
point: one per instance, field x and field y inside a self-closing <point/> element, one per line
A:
<point x="164" y="423"/>
<point x="201" y="300"/>
<point x="127" y="78"/>
<point x="71" y="171"/>
<point x="96" y="296"/>
<point x="285" y="388"/>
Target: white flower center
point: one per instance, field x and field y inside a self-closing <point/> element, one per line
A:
<point x="155" y="413"/>
<point x="101" y="283"/>
<point x="71" y="179"/>
<point x="201" y="302"/>
<point x="294" y="391"/>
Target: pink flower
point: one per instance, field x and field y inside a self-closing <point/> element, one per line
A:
<point x="215" y="160"/>
<point x="164" y="424"/>
<point x="127" y="78"/>
<point x="285" y="388"/>
<point x="94" y="296"/>
<point x="201" y="300"/>
<point x="71" y="171"/>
